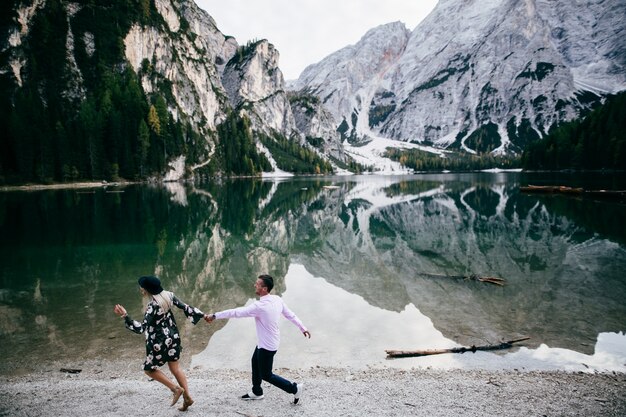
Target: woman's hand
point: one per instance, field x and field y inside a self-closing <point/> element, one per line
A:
<point x="119" y="310"/>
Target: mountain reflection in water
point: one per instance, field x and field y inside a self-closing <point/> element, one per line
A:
<point x="68" y="257"/>
<point x="348" y="332"/>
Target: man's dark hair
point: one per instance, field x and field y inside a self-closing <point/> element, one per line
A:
<point x="268" y="282"/>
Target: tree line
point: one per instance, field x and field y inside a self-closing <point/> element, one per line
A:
<point x="237" y="151"/>
<point x="290" y="156"/>
<point x="596" y="142"/>
<point x="58" y="126"/>
<point x="419" y="160"/>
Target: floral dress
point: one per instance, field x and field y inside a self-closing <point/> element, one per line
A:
<point x="163" y="342"/>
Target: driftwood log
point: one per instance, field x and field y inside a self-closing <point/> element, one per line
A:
<point x="462" y="349"/>
<point x="560" y="189"/>
<point x="472" y="277"/>
<point x="70" y="370"/>
<point x="551" y="189"/>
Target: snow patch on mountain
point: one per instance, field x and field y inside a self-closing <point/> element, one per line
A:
<point x="371" y="154"/>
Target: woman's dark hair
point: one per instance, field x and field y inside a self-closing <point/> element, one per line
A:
<point x="268" y="282"/>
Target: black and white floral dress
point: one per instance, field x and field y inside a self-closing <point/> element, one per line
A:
<point x="163" y="342"/>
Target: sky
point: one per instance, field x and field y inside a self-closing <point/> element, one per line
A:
<point x="306" y="31"/>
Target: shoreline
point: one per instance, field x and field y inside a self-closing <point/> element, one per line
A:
<point x="103" y="183"/>
<point x="62" y="186"/>
<point x="121" y="389"/>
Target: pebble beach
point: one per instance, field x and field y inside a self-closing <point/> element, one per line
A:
<point x="120" y="389"/>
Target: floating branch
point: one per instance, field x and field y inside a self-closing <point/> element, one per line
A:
<point x="463" y="349"/>
<point x="549" y="189"/>
<point x="472" y="277"/>
<point x="560" y="189"/>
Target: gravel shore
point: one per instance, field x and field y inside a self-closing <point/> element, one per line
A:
<point x="119" y="389"/>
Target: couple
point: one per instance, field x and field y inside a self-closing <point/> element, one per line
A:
<point x="163" y="344"/>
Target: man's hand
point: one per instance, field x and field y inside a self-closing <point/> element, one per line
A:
<point x="306" y="334"/>
<point x="209" y="318"/>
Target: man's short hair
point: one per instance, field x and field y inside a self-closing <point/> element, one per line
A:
<point x="268" y="282"/>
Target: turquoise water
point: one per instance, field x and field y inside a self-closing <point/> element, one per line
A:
<point x="368" y="262"/>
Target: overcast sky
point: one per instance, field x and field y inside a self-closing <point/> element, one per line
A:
<point x="305" y="31"/>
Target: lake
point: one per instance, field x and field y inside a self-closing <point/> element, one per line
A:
<point x="367" y="262"/>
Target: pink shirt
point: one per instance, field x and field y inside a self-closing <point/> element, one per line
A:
<point x="266" y="312"/>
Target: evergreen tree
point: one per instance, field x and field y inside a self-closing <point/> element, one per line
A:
<point x="237" y="149"/>
<point x="144" y="145"/>
<point x="596" y="142"/>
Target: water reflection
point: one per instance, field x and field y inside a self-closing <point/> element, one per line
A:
<point x="66" y="257"/>
<point x="335" y="316"/>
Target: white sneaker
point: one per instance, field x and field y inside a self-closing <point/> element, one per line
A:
<point x="252" y="396"/>
<point x="298" y="394"/>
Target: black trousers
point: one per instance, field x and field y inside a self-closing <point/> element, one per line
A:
<point x="262" y="362"/>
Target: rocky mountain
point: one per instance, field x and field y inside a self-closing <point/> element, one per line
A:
<point x="317" y="124"/>
<point x="478" y="76"/>
<point x="94" y="72"/>
<point x="138" y="89"/>
<point x="191" y="60"/>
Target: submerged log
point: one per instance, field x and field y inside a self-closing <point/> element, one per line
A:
<point x="560" y="189"/>
<point x="462" y="349"/>
<point x="472" y="277"/>
<point x="551" y="189"/>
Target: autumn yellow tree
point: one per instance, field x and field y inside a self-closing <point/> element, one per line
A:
<point x="145" y="7"/>
<point x="153" y="120"/>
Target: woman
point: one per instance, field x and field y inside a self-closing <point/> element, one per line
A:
<point x="163" y="344"/>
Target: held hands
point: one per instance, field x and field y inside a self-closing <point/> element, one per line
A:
<point x="209" y="318"/>
<point x="119" y="310"/>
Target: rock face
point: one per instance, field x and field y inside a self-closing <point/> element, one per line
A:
<point x="255" y="84"/>
<point x="481" y="76"/>
<point x="317" y="124"/>
<point x="15" y="37"/>
<point x="196" y="73"/>
<point x="211" y="74"/>
<point x="347" y="80"/>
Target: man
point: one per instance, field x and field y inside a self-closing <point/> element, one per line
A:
<point x="266" y="312"/>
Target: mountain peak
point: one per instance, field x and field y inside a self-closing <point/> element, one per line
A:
<point x="481" y="76"/>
